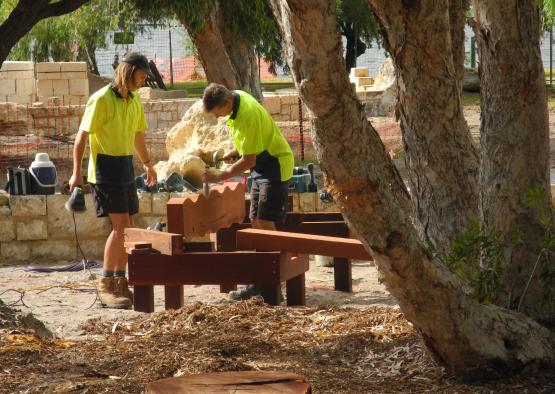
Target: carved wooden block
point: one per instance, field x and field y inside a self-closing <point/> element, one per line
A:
<point x="197" y="215"/>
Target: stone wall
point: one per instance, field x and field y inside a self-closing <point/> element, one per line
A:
<point x="39" y="230"/>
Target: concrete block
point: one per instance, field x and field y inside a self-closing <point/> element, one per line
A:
<point x="25" y="100"/>
<point x="7" y="229"/>
<point x="60" y="87"/>
<point x="47" y="67"/>
<point x="25" y="87"/>
<point x="7" y="87"/>
<point x="73" y="66"/>
<point x="307" y="202"/>
<point x="359" y="72"/>
<point x="21" y="75"/>
<point x="159" y="201"/>
<point x="272" y="104"/>
<point x="45" y="88"/>
<point x="31" y="229"/>
<point x="15" y="252"/>
<point x="73" y="75"/>
<point x="145" y="203"/>
<point x="17" y="66"/>
<point x="79" y="87"/>
<point x="28" y="205"/>
<point x="60" y="221"/>
<point x="49" y="76"/>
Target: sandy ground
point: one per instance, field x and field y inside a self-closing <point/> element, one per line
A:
<point x="65" y="300"/>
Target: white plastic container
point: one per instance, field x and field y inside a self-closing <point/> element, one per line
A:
<point x="43" y="175"/>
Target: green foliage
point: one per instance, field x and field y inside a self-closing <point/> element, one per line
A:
<point x="356" y="14"/>
<point x="477" y="260"/>
<point x="537" y="199"/>
<point x="547" y="9"/>
<point x="75" y="35"/>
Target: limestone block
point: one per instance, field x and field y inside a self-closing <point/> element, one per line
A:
<point x="7" y="229"/>
<point x="5" y="209"/>
<point x="45" y="88"/>
<point x="75" y="100"/>
<point x="17" y="66"/>
<point x="364" y="81"/>
<point x="60" y="221"/>
<point x="359" y="72"/>
<point x="54" y="251"/>
<point x="7" y="87"/>
<point x="73" y="66"/>
<point x="272" y="104"/>
<point x="324" y="206"/>
<point x="289" y="99"/>
<point x="294" y="112"/>
<point x="52" y="75"/>
<point x="59" y="86"/>
<point x="159" y="201"/>
<point x="93" y="248"/>
<point x="21" y="75"/>
<point x="307" y="202"/>
<point x="79" y="87"/>
<point x="15" y="252"/>
<point x="25" y="87"/>
<point x="296" y="202"/>
<point x="3" y="75"/>
<point x="25" y="100"/>
<point x="73" y="75"/>
<point x="31" y="229"/>
<point x="28" y="205"/>
<point x="47" y="67"/>
<point x="145" y="203"/>
<point x="145" y="221"/>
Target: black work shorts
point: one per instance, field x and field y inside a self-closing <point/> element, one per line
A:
<point x="115" y="199"/>
<point x="269" y="200"/>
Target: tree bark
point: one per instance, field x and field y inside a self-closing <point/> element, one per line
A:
<point x="225" y="59"/>
<point x="514" y="145"/>
<point x="471" y="339"/>
<point x="25" y="15"/>
<point x="437" y="142"/>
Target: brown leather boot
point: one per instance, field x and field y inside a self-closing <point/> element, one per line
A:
<point x="121" y="288"/>
<point x="108" y="296"/>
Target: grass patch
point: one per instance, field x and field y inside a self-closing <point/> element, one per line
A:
<point x="196" y="88"/>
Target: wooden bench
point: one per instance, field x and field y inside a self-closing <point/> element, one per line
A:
<point x="171" y="260"/>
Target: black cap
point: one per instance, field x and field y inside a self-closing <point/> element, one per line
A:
<point x="138" y="60"/>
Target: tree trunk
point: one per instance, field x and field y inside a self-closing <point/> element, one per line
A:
<point x="471" y="339"/>
<point x="514" y="145"/>
<point x="435" y="134"/>
<point x="233" y="67"/>
<point x="25" y="15"/>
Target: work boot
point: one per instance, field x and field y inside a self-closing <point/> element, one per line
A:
<point x="121" y="288"/>
<point x="246" y="293"/>
<point x="108" y="296"/>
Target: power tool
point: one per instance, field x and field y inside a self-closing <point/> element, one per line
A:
<point x="76" y="202"/>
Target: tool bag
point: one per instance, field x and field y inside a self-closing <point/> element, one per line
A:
<point x="19" y="181"/>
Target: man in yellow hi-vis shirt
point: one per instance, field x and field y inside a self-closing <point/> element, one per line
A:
<point x="114" y="124"/>
<point x="263" y="149"/>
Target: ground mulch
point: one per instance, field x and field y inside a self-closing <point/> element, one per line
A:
<point x="338" y="350"/>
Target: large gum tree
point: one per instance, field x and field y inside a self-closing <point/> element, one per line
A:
<point x="471" y="339"/>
